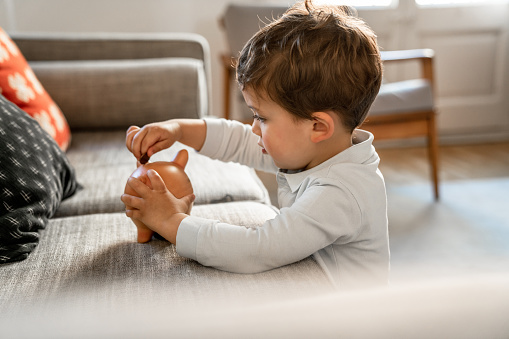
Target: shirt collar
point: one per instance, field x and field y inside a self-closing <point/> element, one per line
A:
<point x="360" y="151"/>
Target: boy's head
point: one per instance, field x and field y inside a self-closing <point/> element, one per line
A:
<point x="314" y="59"/>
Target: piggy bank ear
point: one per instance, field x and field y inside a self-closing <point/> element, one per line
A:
<point x="181" y="158"/>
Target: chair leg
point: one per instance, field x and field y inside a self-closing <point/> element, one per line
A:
<point x="228" y="71"/>
<point x="226" y="94"/>
<point x="433" y="153"/>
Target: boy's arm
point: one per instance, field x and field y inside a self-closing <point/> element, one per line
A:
<point x="293" y="235"/>
<point x="229" y="140"/>
<point x="193" y="132"/>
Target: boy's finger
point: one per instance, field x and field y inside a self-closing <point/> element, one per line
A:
<point x="136" y="143"/>
<point x="156" y="181"/>
<point x="132" y="128"/>
<point x="158" y="145"/>
<point x="131" y="132"/>
<point x="138" y="186"/>
<point x="131" y="201"/>
<point x="133" y="214"/>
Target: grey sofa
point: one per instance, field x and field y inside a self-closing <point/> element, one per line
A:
<point x="88" y="251"/>
<point x="89" y="278"/>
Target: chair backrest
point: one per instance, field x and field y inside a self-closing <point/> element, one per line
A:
<point x="241" y="22"/>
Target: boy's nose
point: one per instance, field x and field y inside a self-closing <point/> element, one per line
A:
<point x="255" y="127"/>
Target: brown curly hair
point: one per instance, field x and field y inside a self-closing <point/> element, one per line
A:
<point x="312" y="59"/>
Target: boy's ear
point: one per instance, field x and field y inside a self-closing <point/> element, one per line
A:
<point x="323" y="126"/>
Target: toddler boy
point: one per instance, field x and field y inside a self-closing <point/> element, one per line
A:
<point x="309" y="77"/>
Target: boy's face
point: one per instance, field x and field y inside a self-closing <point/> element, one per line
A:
<point x="284" y="138"/>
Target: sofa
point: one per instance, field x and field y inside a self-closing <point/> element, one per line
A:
<point x="88" y="277"/>
<point x="103" y="84"/>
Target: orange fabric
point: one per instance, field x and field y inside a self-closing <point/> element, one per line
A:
<point x="19" y="85"/>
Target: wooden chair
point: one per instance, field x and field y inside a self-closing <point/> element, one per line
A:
<point x="403" y="109"/>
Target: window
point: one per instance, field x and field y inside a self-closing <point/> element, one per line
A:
<point x="456" y="2"/>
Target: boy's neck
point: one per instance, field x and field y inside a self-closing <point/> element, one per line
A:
<point x="331" y="147"/>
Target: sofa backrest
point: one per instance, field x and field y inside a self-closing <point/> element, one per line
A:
<point x="114" y="80"/>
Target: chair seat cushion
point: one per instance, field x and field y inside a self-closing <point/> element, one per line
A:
<point x="403" y="97"/>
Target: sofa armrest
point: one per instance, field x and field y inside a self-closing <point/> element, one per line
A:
<point x="113" y="80"/>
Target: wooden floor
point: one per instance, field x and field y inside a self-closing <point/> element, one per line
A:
<point x="460" y="162"/>
<point x="467" y="231"/>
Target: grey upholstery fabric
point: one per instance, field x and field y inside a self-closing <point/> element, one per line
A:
<point x="103" y="164"/>
<point x="125" y="92"/>
<point x="242" y="21"/>
<point x="95" y="258"/>
<point x="403" y="96"/>
<point x="108" y="46"/>
<point x="116" y="46"/>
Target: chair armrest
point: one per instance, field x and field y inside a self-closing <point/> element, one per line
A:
<point x="410" y="54"/>
<point x="424" y="55"/>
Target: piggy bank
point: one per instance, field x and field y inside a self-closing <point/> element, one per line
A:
<point x="175" y="179"/>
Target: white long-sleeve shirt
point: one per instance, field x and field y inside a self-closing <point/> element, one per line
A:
<point x="336" y="211"/>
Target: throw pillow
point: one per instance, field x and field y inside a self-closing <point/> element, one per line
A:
<point x="19" y="84"/>
<point x="35" y="176"/>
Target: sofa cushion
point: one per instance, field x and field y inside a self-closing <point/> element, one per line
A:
<point x="19" y="84"/>
<point x="119" y="93"/>
<point x="96" y="259"/>
<point x="103" y="165"/>
<point x="35" y="176"/>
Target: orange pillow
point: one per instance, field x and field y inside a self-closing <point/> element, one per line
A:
<point x="19" y="85"/>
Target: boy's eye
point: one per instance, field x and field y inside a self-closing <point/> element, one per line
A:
<point x="259" y="118"/>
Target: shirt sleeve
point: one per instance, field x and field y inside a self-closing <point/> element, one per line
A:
<point x="228" y="140"/>
<point x="296" y="233"/>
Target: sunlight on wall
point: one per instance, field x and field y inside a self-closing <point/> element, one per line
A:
<point x="357" y="3"/>
<point x="386" y="3"/>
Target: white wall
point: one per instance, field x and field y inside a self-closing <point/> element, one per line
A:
<point x="202" y="17"/>
<point x="197" y="16"/>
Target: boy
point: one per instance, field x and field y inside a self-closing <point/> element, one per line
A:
<point x="309" y="77"/>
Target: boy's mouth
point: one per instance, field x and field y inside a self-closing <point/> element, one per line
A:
<point x="263" y="149"/>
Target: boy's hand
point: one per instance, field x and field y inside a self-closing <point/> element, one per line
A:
<point x="157" y="208"/>
<point x="151" y="138"/>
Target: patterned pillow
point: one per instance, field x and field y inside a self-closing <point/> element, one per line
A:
<point x="35" y="176"/>
<point x="19" y="84"/>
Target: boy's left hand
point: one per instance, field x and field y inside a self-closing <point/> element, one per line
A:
<point x="157" y="208"/>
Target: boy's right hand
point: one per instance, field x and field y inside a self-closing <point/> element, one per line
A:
<point x="151" y="138"/>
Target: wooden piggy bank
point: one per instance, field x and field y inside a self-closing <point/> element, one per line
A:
<point x="175" y="179"/>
